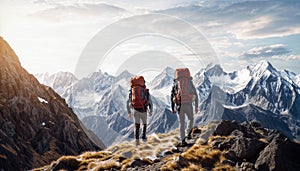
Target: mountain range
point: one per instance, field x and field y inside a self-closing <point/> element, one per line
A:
<point x="259" y="92"/>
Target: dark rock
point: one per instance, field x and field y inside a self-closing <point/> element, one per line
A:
<point x="271" y="134"/>
<point x="9" y="128"/>
<point x="246" y="166"/>
<point x="248" y="131"/>
<point x="216" y="142"/>
<point x="175" y="150"/>
<point x="196" y="131"/>
<point x="246" y="148"/>
<point x="41" y="141"/>
<point x="229" y="162"/>
<point x="231" y="155"/>
<point x="255" y="124"/>
<point x="226" y="127"/>
<point x="227" y="144"/>
<point x="237" y="133"/>
<point x="280" y="154"/>
<point x="138" y="163"/>
<point x="127" y="154"/>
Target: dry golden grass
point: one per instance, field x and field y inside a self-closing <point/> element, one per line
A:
<point x="264" y="140"/>
<point x="66" y="162"/>
<point x="170" y="163"/>
<point x="198" y="152"/>
<point x="95" y="155"/>
<point x="170" y="166"/>
<point x="199" y="156"/>
<point x="193" y="167"/>
<point x="105" y="165"/>
<point x="261" y="132"/>
<point x="147" y="160"/>
<point x="224" y="168"/>
<point x="125" y="164"/>
<point x="120" y="156"/>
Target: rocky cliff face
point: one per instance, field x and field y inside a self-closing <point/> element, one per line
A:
<point x="36" y="125"/>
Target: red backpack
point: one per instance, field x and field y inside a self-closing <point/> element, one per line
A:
<point x="138" y="92"/>
<point x="183" y="80"/>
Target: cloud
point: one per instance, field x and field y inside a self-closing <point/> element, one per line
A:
<point x="79" y="11"/>
<point x="277" y="51"/>
<point x="291" y="57"/>
<point x="245" y="19"/>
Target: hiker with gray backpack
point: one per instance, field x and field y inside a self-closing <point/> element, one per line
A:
<point x="138" y="103"/>
<point x="183" y="95"/>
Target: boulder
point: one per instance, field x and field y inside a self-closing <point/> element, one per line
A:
<point x="280" y="154"/>
<point x="225" y="128"/>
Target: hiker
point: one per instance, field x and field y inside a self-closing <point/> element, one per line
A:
<point x="139" y="100"/>
<point x="183" y="95"/>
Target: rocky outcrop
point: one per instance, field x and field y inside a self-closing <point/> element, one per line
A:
<point x="36" y="124"/>
<point x="250" y="146"/>
<point x="223" y="145"/>
<point x="280" y="154"/>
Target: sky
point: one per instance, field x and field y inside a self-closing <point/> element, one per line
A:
<point x="83" y="36"/>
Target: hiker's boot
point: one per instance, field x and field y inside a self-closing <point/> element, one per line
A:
<point x="189" y="136"/>
<point x="144" y="132"/>
<point x="137" y="142"/>
<point x="183" y="143"/>
<point x="137" y="131"/>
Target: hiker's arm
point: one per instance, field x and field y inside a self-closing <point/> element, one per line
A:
<point x="196" y="97"/>
<point x="172" y="97"/>
<point x="128" y="106"/>
<point x="150" y="105"/>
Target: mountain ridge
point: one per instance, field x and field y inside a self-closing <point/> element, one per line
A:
<point x="31" y="134"/>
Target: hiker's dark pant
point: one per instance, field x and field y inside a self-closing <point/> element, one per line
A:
<point x="186" y="109"/>
<point x="137" y="117"/>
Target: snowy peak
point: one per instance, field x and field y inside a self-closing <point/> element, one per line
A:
<point x="59" y="81"/>
<point x="214" y="70"/>
<point x="297" y="80"/>
<point x="125" y="74"/>
<point x="164" y="79"/>
<point x="169" y="71"/>
<point x="123" y="78"/>
<point x="263" y="68"/>
<point x="99" y="75"/>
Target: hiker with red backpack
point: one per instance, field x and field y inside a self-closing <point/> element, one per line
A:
<point x="183" y="95"/>
<point x="138" y="102"/>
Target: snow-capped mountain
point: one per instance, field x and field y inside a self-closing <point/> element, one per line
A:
<point x="59" y="81"/>
<point x="161" y="85"/>
<point x="100" y="102"/>
<point x="258" y="92"/>
<point x="297" y="80"/>
<point x="164" y="79"/>
<point x="272" y="94"/>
